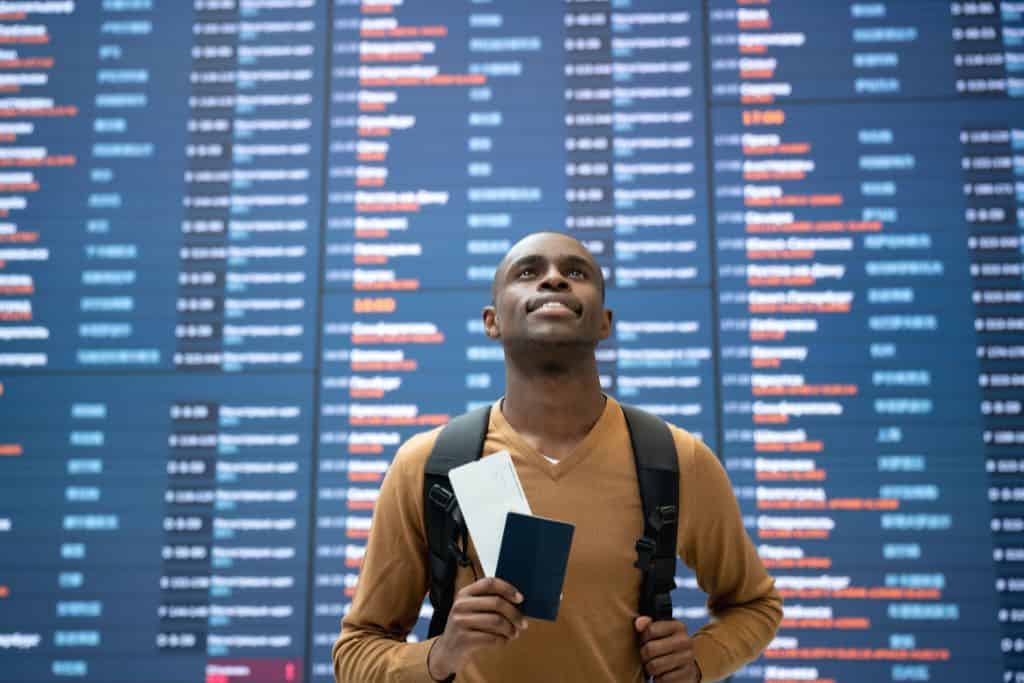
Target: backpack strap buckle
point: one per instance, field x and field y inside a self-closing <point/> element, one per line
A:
<point x="662" y="515"/>
<point x="662" y="519"/>
<point x="458" y="543"/>
<point x="645" y="549"/>
<point x="442" y="498"/>
<point x="656" y="560"/>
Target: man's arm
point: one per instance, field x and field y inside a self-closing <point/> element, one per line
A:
<point x="392" y="583"/>
<point x="742" y="600"/>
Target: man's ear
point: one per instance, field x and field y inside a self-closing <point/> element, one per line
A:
<point x="606" y="325"/>
<point x="491" y="327"/>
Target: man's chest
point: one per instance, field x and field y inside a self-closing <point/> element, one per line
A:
<point x="606" y="511"/>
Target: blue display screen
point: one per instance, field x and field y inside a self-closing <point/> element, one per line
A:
<point x="244" y="247"/>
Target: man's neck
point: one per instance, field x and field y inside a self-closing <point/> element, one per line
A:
<point x="553" y="405"/>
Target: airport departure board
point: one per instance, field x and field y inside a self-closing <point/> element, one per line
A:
<point x="244" y="245"/>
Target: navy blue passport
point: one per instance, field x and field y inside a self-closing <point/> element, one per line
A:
<point x="533" y="558"/>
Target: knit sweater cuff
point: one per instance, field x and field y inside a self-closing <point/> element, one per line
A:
<point x="412" y="662"/>
<point x="712" y="658"/>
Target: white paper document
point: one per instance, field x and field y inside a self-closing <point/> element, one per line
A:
<point x="487" y="490"/>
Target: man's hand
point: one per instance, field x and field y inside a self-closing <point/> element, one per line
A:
<point x="667" y="651"/>
<point x="484" y="614"/>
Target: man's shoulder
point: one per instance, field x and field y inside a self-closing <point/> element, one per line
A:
<point x="689" y="445"/>
<point x="690" y="448"/>
<point x="413" y="453"/>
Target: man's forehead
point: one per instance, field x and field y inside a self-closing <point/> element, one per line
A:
<point x="550" y="246"/>
<point x="547" y="245"/>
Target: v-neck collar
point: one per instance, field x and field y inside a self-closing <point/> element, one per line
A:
<point x="560" y="469"/>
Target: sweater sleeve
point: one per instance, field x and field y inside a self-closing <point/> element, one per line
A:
<point x="744" y="606"/>
<point x="392" y="583"/>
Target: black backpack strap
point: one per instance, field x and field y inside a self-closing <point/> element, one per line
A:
<point x="460" y="442"/>
<point x="657" y="471"/>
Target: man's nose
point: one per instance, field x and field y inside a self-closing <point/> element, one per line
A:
<point x="554" y="280"/>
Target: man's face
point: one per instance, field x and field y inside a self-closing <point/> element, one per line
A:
<point x="548" y="291"/>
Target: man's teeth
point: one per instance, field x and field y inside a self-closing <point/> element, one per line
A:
<point x="555" y="304"/>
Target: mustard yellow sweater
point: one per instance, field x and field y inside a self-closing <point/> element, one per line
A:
<point x="593" y="640"/>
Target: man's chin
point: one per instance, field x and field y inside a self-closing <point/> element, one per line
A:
<point x="553" y="341"/>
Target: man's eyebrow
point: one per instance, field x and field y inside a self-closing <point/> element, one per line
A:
<point x="529" y="260"/>
<point x="576" y="260"/>
<point x="573" y="260"/>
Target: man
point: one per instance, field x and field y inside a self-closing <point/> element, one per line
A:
<point x="571" y="449"/>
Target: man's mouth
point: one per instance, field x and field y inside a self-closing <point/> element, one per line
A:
<point x="554" y="304"/>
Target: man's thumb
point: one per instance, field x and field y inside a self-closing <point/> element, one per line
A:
<point x="641" y="624"/>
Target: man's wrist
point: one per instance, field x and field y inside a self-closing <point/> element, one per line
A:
<point x="435" y="667"/>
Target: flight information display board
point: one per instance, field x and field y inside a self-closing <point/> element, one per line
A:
<point x="244" y="245"/>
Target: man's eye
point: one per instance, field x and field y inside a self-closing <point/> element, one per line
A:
<point x="577" y="273"/>
<point x="527" y="272"/>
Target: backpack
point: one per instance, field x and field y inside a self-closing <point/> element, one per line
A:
<point x="657" y="469"/>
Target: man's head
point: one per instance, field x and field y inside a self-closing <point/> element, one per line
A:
<point x="548" y="292"/>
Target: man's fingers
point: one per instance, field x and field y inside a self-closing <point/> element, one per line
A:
<point x="484" y="615"/>
<point x="688" y="674"/>
<point x="475" y="639"/>
<point x="662" y="629"/>
<point x="487" y="622"/>
<point x="492" y="585"/>
<point x="667" y="651"/>
<point x="668" y="662"/>
<point x="659" y="647"/>
<point x="491" y="604"/>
